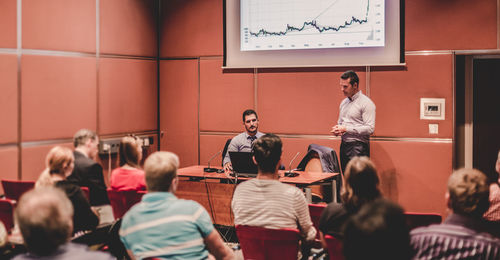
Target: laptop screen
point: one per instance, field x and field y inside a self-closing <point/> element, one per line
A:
<point x="242" y="162"/>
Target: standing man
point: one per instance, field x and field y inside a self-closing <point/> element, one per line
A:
<point x="88" y="173"/>
<point x="356" y="120"/>
<point x="243" y="142"/>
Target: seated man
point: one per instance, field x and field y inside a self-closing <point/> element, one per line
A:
<point x="45" y="219"/>
<point x="163" y="226"/>
<point x="265" y="201"/>
<point x="464" y="233"/>
<point x="243" y="142"/>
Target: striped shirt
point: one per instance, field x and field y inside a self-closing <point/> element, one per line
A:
<point x="493" y="213"/>
<point x="272" y="204"/>
<point x="458" y="237"/>
<point x="357" y="114"/>
<point x="163" y="226"/>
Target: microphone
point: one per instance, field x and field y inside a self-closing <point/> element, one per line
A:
<point x="291" y="173"/>
<point x="209" y="169"/>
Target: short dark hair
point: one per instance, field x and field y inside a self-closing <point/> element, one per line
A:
<point x="352" y="76"/>
<point x="377" y="231"/>
<point x="249" y="112"/>
<point x="469" y="192"/>
<point x="361" y="183"/>
<point x="82" y="136"/>
<point x="161" y="169"/>
<point x="267" y="152"/>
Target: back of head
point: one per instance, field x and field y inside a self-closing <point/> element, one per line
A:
<point x="468" y="192"/>
<point x="45" y="218"/>
<point x="377" y="231"/>
<point x="267" y="152"/>
<point x="249" y="112"/>
<point x="161" y="170"/>
<point x="351" y="75"/>
<point x="361" y="183"/>
<point x="129" y="151"/>
<point x="82" y="135"/>
<point x="58" y="159"/>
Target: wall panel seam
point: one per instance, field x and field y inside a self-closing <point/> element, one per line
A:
<point x="19" y="88"/>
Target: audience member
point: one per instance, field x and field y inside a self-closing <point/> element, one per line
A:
<point x="360" y="186"/>
<point x="377" y="231"/>
<point x="243" y="142"/>
<point x="163" y="226"/>
<point x="59" y="164"/>
<point x="88" y="173"/>
<point x="265" y="201"/>
<point x="493" y="213"/>
<point x="129" y="176"/>
<point x="464" y="234"/>
<point x="44" y="216"/>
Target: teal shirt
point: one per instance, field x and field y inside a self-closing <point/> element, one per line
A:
<point x="163" y="226"/>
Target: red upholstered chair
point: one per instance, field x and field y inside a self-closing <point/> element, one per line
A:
<point x="263" y="243"/>
<point x="414" y="220"/>
<point x="14" y="189"/>
<point x="86" y="192"/>
<point x="122" y="201"/>
<point x="334" y="248"/>
<point x="315" y="211"/>
<point x="7" y="213"/>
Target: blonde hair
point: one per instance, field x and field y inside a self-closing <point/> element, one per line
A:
<point x="161" y="169"/>
<point x="57" y="161"/>
<point x="361" y="183"/>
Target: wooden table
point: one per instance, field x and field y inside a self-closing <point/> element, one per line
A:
<point x="215" y="191"/>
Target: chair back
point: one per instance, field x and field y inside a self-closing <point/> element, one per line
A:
<point x="334" y="248"/>
<point x="414" y="220"/>
<point x="122" y="201"/>
<point x="14" y="189"/>
<point x="224" y="151"/>
<point x="263" y="243"/>
<point x="86" y="192"/>
<point x="7" y="213"/>
<point x="315" y="211"/>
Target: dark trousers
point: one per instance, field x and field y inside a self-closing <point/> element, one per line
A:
<point x="348" y="150"/>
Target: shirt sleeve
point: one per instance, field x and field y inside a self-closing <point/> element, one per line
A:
<point x="233" y="147"/>
<point x="204" y="222"/>
<point x="368" y="117"/>
<point x="305" y="224"/>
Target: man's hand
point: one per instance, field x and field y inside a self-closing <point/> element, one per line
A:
<point x="228" y="167"/>
<point x="338" y="130"/>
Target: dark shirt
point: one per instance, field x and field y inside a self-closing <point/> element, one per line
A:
<point x="458" y="237"/>
<point x="69" y="251"/>
<point x="88" y="173"/>
<point x="333" y="218"/>
<point x="83" y="217"/>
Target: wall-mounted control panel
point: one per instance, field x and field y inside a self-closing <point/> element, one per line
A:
<point x="111" y="145"/>
<point x="432" y="108"/>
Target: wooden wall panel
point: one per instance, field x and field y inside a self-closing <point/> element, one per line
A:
<point x="224" y="95"/>
<point x="451" y="25"/>
<point x="191" y="28"/>
<point x="209" y="146"/>
<point x="128" y="27"/>
<point x="414" y="174"/>
<point x="68" y="25"/>
<point x="33" y="160"/>
<point x="300" y="102"/>
<point x="397" y="94"/>
<point x="8" y="98"/>
<point x="9" y="162"/>
<point x="58" y="96"/>
<point x="8" y="22"/>
<point x="127" y="95"/>
<point x="179" y="109"/>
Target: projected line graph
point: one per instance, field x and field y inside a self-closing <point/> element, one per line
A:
<point x="268" y="24"/>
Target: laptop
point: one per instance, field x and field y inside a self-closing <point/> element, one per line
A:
<point x="243" y="165"/>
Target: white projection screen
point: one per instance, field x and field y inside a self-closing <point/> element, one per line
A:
<point x="313" y="33"/>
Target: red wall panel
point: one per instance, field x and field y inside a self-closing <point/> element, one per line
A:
<point x="33" y="160"/>
<point x="8" y="98"/>
<point x="128" y="27"/>
<point x="451" y="25"/>
<point x="209" y="146"/>
<point x="68" y="25"/>
<point x="224" y="95"/>
<point x="8" y="160"/>
<point x="127" y="95"/>
<point x="397" y="94"/>
<point x="414" y="174"/>
<point x="58" y="96"/>
<point x="191" y="28"/>
<point x="300" y="102"/>
<point x="179" y="109"/>
<point x="8" y="22"/>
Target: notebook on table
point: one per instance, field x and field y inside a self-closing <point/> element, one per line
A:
<point x="243" y="165"/>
